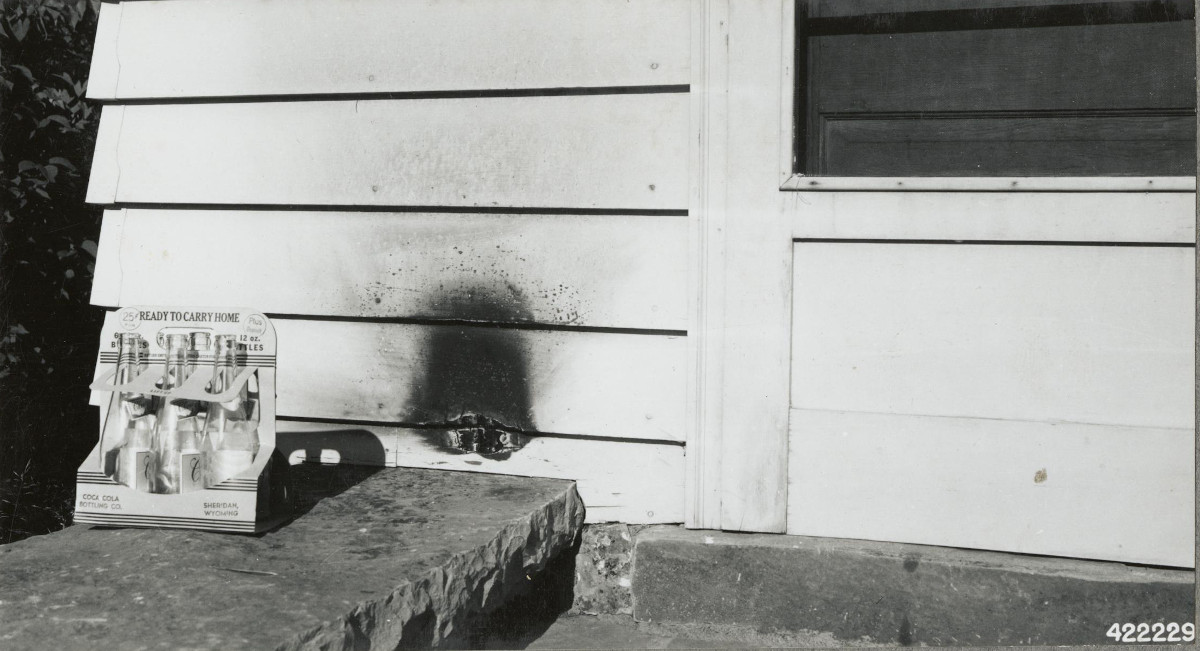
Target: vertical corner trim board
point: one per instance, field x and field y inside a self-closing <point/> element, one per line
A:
<point x="752" y="361"/>
<point x="1061" y="489"/>
<point x="619" y="481"/>
<point x="223" y="48"/>
<point x="615" y="152"/>
<point x="614" y="271"/>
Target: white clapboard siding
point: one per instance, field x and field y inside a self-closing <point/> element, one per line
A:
<point x="191" y="48"/>
<point x="589" y="270"/>
<point x="619" y="481"/>
<point x="589" y="383"/>
<point x="1089" y="334"/>
<point x="565" y="382"/>
<point x="1012" y="216"/>
<point x="1067" y="489"/>
<point x="592" y="151"/>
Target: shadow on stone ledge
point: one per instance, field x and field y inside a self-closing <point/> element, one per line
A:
<point x="312" y="482"/>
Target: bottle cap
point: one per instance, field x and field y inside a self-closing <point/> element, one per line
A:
<point x="200" y="340"/>
<point x="130" y="345"/>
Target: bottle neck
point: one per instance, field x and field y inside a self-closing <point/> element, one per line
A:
<point x="222" y="378"/>
<point x="129" y="361"/>
<point x="225" y="366"/>
<point x="177" y="363"/>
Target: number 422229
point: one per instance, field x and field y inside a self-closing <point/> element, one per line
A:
<point x="1158" y="632"/>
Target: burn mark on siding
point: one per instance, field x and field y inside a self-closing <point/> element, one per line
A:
<point x="478" y="283"/>
<point x="473" y="382"/>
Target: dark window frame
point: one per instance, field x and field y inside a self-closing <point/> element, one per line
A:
<point x="1030" y="14"/>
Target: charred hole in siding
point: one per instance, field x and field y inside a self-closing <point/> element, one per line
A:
<point x="473" y="381"/>
<point x="482" y="435"/>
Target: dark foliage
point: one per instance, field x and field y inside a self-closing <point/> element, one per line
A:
<point x="48" y="235"/>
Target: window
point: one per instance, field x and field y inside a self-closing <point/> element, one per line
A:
<point x="1002" y="88"/>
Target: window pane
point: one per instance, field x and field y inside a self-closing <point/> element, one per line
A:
<point x="1042" y="89"/>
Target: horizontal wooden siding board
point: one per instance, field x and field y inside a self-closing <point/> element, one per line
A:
<point x="619" y="481"/>
<point x="105" y="65"/>
<point x="206" y="48"/>
<point x="1090" y="334"/>
<point x="108" y="277"/>
<point x="585" y="383"/>
<point x="574" y="270"/>
<point x="1080" y="490"/>
<point x="588" y="384"/>
<point x="106" y="167"/>
<point x="596" y="151"/>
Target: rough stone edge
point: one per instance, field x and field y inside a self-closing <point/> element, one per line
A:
<point x="439" y="608"/>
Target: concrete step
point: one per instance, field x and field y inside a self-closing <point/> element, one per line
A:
<point x="863" y="592"/>
<point x="405" y="558"/>
<point x="623" y="632"/>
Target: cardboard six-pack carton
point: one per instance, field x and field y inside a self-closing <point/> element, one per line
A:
<point x="187" y="433"/>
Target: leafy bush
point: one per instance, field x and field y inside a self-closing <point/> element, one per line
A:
<point x="48" y="241"/>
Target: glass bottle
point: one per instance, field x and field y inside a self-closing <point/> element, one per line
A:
<point x="130" y="419"/>
<point x="200" y="341"/>
<point x="177" y="431"/>
<point x="231" y="433"/>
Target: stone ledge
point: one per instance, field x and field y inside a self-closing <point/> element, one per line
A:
<point x="894" y="593"/>
<point x="406" y="558"/>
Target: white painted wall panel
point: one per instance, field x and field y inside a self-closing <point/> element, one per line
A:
<point x="599" y="151"/>
<point x="1012" y="216"/>
<point x="1066" y="489"/>
<point x="1088" y="334"/>
<point x="204" y="48"/>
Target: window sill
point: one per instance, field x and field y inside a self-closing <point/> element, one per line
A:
<point x="799" y="182"/>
